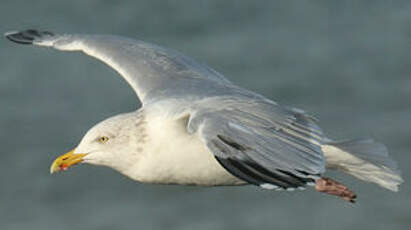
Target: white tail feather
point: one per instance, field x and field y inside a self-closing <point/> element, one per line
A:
<point x="364" y="159"/>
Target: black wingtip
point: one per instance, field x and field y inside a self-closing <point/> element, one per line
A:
<point x="27" y="36"/>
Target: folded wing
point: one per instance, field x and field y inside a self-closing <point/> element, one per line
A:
<point x="261" y="142"/>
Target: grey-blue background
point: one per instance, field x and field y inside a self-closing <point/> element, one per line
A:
<point x="347" y="62"/>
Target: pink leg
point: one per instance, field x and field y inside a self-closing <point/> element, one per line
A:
<point x="332" y="187"/>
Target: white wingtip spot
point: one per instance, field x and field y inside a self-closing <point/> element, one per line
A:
<point x="310" y="183"/>
<point x="277" y="188"/>
<point x="268" y="186"/>
<point x="8" y="33"/>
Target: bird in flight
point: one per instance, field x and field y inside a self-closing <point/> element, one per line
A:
<point x="195" y="127"/>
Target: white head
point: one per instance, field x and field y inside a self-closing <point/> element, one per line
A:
<point x="112" y="142"/>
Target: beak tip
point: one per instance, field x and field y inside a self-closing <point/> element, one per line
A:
<point x="63" y="162"/>
<point x="53" y="169"/>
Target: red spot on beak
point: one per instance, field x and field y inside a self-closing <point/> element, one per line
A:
<point x="63" y="167"/>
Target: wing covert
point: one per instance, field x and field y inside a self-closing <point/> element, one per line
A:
<point x="261" y="142"/>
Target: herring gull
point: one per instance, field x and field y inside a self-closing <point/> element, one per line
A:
<point x="195" y="127"/>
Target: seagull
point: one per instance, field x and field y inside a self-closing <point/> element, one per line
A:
<point x="195" y="127"/>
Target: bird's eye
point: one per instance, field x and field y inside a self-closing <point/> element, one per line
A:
<point x="103" y="139"/>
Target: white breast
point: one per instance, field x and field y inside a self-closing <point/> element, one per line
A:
<point x="172" y="156"/>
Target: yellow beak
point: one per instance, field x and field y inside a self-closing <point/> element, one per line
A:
<point x="65" y="161"/>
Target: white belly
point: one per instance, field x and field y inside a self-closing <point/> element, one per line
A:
<point x="172" y="156"/>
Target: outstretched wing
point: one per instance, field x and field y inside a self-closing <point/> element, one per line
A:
<point x="149" y="69"/>
<point x="260" y="142"/>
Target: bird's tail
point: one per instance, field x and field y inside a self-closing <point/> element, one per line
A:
<point x="364" y="159"/>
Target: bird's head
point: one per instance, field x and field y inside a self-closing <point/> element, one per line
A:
<point x="107" y="144"/>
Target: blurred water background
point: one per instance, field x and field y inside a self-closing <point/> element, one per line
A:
<point x="346" y="62"/>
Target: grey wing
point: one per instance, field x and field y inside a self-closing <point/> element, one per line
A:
<point x="152" y="71"/>
<point x="261" y="142"/>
